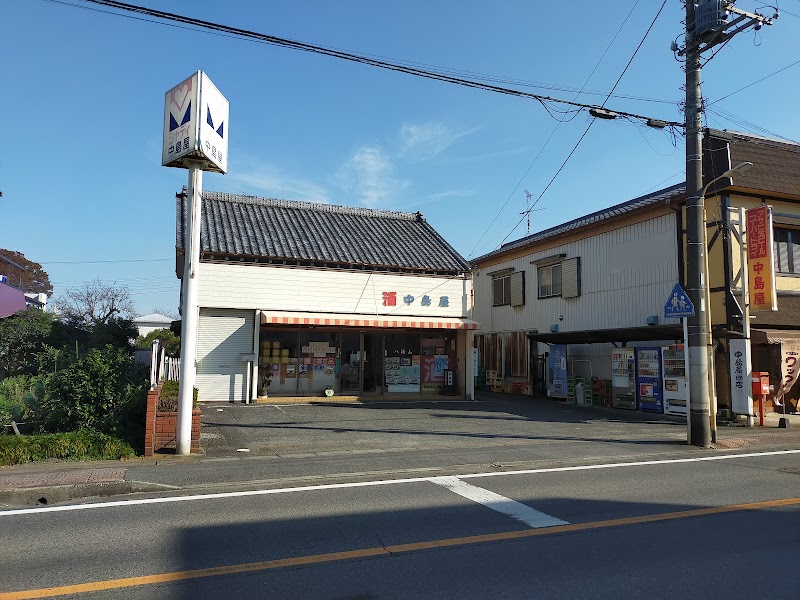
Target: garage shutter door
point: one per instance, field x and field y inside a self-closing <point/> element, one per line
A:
<point x="222" y="337"/>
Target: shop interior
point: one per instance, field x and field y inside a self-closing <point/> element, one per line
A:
<point x="319" y="362"/>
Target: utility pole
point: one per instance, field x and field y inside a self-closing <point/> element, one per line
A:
<point x="706" y="27"/>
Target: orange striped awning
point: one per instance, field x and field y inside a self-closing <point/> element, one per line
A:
<point x="270" y="317"/>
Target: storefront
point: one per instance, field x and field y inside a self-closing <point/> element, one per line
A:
<point x="302" y="300"/>
<point x="375" y="362"/>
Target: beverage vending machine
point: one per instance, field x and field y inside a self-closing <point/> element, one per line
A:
<point x="676" y="389"/>
<point x="648" y="380"/>
<point x="623" y="378"/>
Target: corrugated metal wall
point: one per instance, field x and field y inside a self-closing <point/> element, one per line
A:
<point x="626" y="275"/>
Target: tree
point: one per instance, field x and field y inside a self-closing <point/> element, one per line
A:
<point x="95" y="303"/>
<point x="169" y="341"/>
<point x="24" y="274"/>
<point x="22" y="335"/>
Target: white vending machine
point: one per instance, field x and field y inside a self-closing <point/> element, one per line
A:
<point x="675" y="385"/>
<point x="623" y="378"/>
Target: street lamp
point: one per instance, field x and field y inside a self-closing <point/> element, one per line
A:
<point x="741" y="167"/>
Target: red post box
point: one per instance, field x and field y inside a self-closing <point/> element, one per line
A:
<point x="760" y="381"/>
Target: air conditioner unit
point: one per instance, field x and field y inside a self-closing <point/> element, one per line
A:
<point x="554" y="328"/>
<point x="652" y="320"/>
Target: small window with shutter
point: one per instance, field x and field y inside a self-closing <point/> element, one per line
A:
<point x="571" y="278"/>
<point x="517" y="288"/>
<point x="501" y="290"/>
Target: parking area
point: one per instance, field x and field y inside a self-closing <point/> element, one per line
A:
<point x="493" y="420"/>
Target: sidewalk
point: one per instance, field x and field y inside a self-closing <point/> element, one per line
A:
<point x="269" y="445"/>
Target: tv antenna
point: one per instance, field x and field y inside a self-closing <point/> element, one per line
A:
<point x="527" y="212"/>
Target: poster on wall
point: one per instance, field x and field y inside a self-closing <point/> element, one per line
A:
<point x="557" y="370"/>
<point x="790" y="368"/>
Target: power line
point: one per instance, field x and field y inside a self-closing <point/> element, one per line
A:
<point x="93" y="262"/>
<point x="589" y="126"/>
<point x="550" y="137"/>
<point x="753" y="83"/>
<point x="357" y="58"/>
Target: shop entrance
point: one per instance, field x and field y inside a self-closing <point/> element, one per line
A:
<point x="350" y="370"/>
<point x="373" y="362"/>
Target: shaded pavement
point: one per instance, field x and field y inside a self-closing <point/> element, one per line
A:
<point x="274" y="445"/>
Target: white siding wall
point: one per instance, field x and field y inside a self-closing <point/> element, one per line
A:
<point x="267" y="287"/>
<point x="626" y="276"/>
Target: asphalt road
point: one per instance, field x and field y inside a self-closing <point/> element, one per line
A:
<point x="662" y="529"/>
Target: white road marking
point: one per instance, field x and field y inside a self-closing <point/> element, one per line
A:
<point x="516" y="510"/>
<point x="335" y="486"/>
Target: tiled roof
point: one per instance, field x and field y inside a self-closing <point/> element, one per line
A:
<point x="776" y="163"/>
<point x="670" y="194"/>
<point x="250" y="227"/>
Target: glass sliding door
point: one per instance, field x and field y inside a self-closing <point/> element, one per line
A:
<point x="350" y="364"/>
<point x="372" y="365"/>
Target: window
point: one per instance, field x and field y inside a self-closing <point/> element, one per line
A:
<point x="549" y="281"/>
<point x="787" y="250"/>
<point x="501" y="290"/>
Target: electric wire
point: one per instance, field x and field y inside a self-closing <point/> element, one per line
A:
<point x="572" y="152"/>
<point x="343" y="55"/>
<point x="794" y="64"/>
<point x="552" y="134"/>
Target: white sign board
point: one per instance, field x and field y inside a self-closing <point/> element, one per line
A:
<point x="196" y="125"/>
<point x="741" y="390"/>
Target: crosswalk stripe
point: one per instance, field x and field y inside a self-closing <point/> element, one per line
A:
<point x="507" y="506"/>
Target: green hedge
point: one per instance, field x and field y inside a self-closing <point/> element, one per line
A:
<point x="78" y="445"/>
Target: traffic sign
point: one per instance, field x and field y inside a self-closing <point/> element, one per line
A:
<point x="678" y="304"/>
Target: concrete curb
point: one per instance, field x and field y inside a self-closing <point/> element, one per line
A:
<point x="54" y="494"/>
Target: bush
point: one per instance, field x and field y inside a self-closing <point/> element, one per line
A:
<point x="77" y="445"/>
<point x="102" y="391"/>
<point x="168" y="402"/>
<point x="20" y="399"/>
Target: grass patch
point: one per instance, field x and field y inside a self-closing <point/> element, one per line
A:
<point x="77" y="445"/>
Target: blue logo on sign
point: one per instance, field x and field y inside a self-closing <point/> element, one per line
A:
<point x="173" y="124"/>
<point x="678" y="304"/>
<point x="220" y="130"/>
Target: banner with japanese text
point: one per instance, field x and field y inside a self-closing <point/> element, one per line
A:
<point x="790" y="368"/>
<point x="740" y="370"/>
<point x="760" y="260"/>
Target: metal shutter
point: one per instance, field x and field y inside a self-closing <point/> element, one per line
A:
<point x="571" y="278"/>
<point x="518" y="288"/>
<point x="222" y="337"/>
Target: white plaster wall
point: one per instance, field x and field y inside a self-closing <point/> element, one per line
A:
<point x="269" y="287"/>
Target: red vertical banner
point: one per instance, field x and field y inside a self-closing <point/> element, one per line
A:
<point x="760" y="259"/>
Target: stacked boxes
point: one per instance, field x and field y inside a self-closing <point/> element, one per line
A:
<point x="493" y="382"/>
<point x="601" y="392"/>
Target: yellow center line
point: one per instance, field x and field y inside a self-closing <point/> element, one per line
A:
<point x="96" y="586"/>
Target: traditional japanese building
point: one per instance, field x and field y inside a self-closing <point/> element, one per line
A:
<point x="302" y="300"/>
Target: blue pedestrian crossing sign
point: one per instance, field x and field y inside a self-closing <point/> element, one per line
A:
<point x="678" y="304"/>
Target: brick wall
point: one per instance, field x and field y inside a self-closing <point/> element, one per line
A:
<point x="161" y="427"/>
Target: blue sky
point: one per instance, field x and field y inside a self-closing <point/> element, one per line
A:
<point x="83" y="94"/>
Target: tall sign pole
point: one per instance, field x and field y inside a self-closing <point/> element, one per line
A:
<point x="195" y="138"/>
<point x="707" y="25"/>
